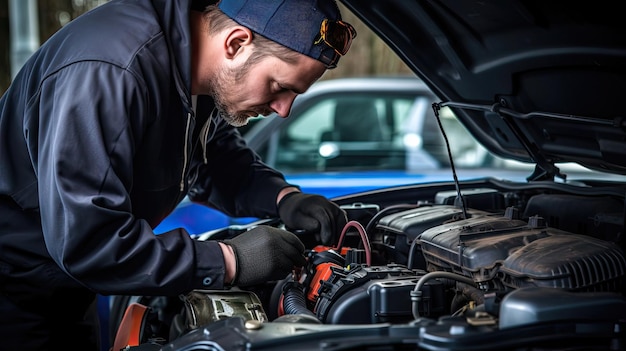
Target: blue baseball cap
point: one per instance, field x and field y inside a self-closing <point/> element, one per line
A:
<point x="310" y="27"/>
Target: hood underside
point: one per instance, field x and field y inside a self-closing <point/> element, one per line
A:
<point x="533" y="81"/>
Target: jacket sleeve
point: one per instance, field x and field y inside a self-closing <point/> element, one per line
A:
<point x="86" y="134"/>
<point x="235" y="180"/>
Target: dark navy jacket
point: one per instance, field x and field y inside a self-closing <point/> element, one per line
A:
<point x="98" y="143"/>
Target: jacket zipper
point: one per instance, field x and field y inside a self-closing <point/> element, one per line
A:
<point x="185" y="153"/>
<point x="205" y="135"/>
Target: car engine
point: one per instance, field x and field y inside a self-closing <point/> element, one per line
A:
<point x="462" y="269"/>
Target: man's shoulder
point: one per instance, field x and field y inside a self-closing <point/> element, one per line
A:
<point x="114" y="32"/>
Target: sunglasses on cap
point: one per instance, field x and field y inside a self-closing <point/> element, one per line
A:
<point x="337" y="35"/>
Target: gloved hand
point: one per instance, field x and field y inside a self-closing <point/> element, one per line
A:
<point x="313" y="213"/>
<point x="265" y="253"/>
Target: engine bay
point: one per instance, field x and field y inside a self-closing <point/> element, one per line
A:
<point x="455" y="269"/>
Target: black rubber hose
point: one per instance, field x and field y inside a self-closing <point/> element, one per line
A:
<point x="294" y="301"/>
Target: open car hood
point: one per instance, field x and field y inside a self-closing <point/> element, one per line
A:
<point x="533" y="81"/>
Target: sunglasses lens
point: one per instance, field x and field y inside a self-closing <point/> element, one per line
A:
<point x="339" y="35"/>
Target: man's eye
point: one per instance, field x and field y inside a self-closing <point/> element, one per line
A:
<point x="279" y="88"/>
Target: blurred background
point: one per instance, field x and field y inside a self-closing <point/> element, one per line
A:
<point x="25" y="24"/>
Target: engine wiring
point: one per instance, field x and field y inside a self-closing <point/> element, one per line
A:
<point x="364" y="238"/>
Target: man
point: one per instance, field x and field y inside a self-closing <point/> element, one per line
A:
<point x="119" y="116"/>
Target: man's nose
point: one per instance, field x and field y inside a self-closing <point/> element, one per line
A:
<point x="282" y="104"/>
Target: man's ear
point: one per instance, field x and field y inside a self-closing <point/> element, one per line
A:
<point x="237" y="38"/>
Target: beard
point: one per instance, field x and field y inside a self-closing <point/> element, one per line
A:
<point x="221" y="84"/>
<point x="224" y="84"/>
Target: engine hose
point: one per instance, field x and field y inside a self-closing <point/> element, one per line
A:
<point x="416" y="293"/>
<point x="465" y="294"/>
<point x="294" y="301"/>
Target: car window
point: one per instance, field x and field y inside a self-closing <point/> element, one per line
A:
<point x="343" y="133"/>
<point x="466" y="151"/>
<point x="294" y="148"/>
<point x="354" y="132"/>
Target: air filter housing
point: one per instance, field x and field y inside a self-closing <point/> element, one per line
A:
<point x="513" y="253"/>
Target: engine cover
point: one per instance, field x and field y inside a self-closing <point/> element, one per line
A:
<point x="513" y="253"/>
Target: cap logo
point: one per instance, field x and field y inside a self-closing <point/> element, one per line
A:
<point x="337" y="35"/>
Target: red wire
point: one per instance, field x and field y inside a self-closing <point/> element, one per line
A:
<point x="366" y="243"/>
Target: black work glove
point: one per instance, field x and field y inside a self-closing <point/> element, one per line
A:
<point x="265" y="253"/>
<point x="313" y="213"/>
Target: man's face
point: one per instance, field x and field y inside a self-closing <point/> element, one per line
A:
<point x="243" y="91"/>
